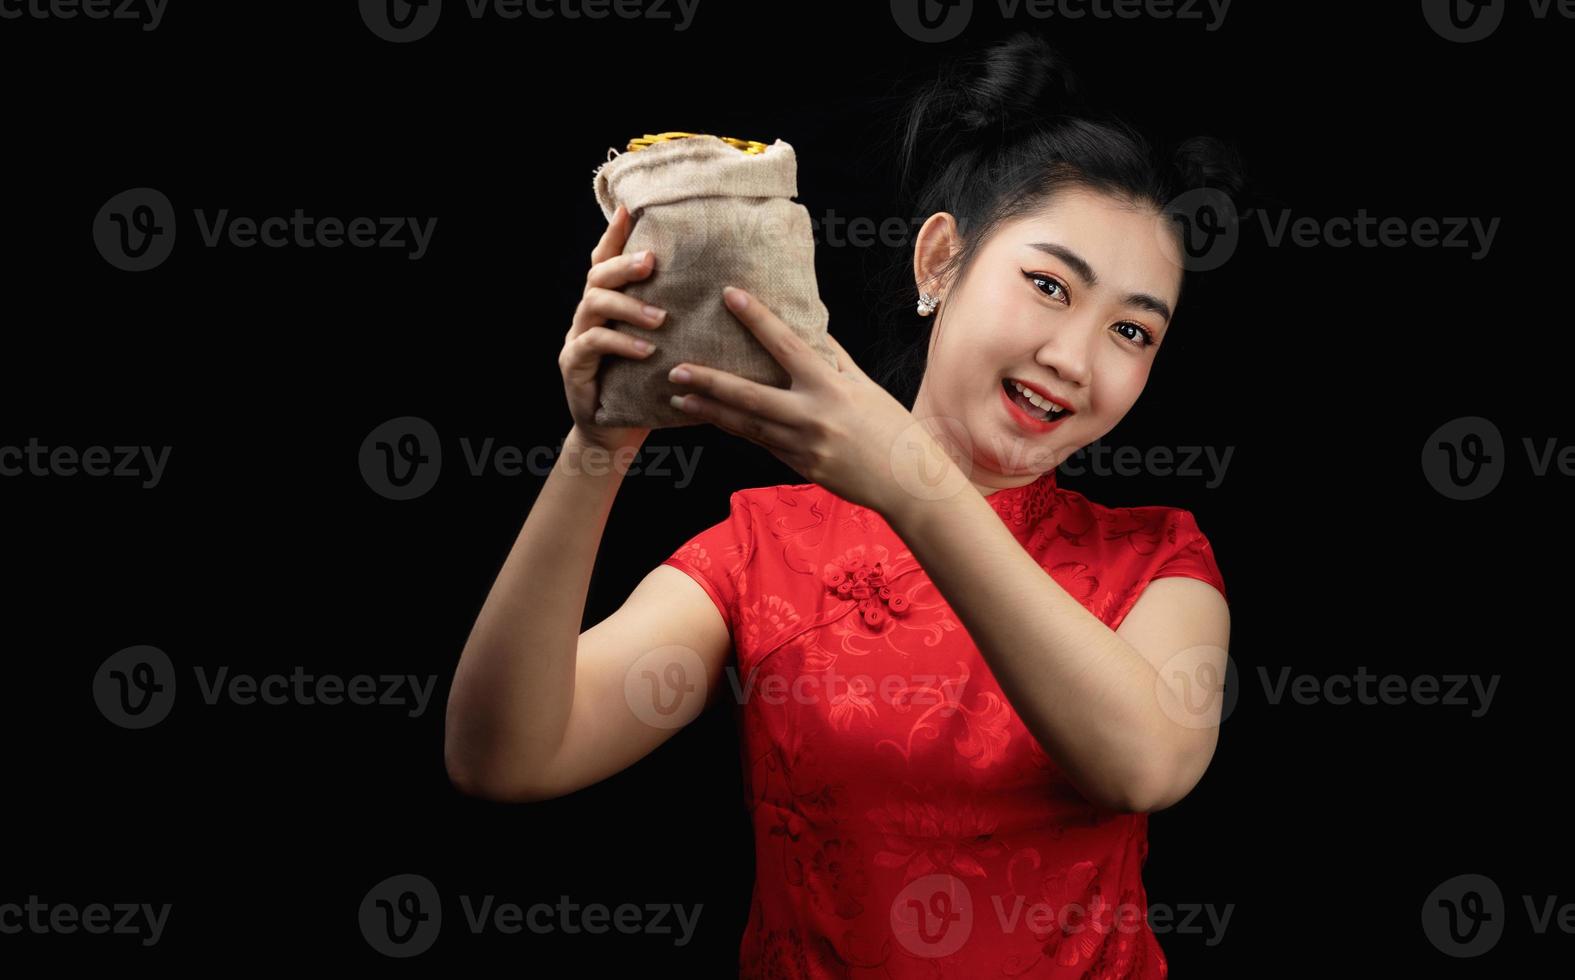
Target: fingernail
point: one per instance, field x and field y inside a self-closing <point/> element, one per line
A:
<point x="679" y="373"/>
<point x="735" y="298"/>
<point x="639" y="257"/>
<point x="654" y="312"/>
<point x="677" y="401"/>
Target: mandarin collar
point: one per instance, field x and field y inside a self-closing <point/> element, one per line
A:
<point x="1021" y="508"/>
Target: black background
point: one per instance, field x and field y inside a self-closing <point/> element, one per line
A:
<point x="1324" y="827"/>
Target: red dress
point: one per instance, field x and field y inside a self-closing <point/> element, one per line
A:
<point x="906" y="823"/>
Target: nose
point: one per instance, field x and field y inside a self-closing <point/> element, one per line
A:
<point x="1067" y="353"/>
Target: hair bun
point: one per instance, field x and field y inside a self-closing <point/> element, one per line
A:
<point x="1204" y="161"/>
<point x="1014" y="83"/>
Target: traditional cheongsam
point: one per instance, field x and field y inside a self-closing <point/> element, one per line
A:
<point x="906" y="822"/>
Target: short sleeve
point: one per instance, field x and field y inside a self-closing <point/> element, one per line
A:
<point x="717" y="556"/>
<point x="1191" y="554"/>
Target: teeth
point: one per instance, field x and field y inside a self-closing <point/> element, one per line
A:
<point x="1047" y="406"/>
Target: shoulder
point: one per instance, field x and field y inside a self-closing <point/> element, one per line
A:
<point x="786" y="505"/>
<point x="1147" y="537"/>
<point x="1162" y="523"/>
<point x="783" y="494"/>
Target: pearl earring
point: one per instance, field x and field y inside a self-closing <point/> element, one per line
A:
<point x="927" y="303"/>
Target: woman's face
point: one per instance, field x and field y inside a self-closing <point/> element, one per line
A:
<point x="1073" y="301"/>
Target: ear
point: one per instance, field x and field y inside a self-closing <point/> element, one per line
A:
<point x="937" y="242"/>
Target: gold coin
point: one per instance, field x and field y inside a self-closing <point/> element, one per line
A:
<point x="649" y="139"/>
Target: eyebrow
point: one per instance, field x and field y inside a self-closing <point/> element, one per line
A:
<point x="1086" y="272"/>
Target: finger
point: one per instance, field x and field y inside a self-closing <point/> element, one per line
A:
<point x="775" y="404"/>
<point x="599" y="305"/>
<point x="755" y="428"/>
<point x="620" y="270"/>
<point x="779" y="340"/>
<point x="613" y="239"/>
<point x="581" y="357"/>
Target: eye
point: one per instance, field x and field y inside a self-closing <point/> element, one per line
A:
<point x="1147" y="339"/>
<point x="1037" y="278"/>
<point x="1145" y="336"/>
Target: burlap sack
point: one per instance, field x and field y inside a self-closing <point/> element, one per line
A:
<point x="713" y="216"/>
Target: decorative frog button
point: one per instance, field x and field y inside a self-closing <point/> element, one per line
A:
<point x="865" y="583"/>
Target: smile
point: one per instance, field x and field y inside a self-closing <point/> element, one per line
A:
<point x="1030" y="409"/>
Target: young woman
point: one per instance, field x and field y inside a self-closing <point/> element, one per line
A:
<point x="960" y="687"/>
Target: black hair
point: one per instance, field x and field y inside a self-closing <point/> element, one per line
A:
<point x="994" y="136"/>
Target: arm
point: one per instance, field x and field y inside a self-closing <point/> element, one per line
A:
<point x="537" y="709"/>
<point x="1124" y="730"/>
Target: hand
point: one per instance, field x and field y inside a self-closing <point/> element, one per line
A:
<point x="589" y="338"/>
<point x="835" y="426"/>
